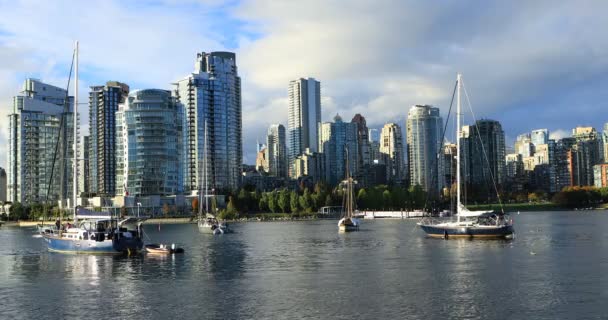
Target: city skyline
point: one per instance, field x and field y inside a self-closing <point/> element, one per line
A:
<point x="404" y="73"/>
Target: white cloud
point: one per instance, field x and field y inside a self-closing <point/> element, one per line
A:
<point x="522" y="63"/>
<point x="559" y="134"/>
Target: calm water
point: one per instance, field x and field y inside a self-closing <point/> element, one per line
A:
<point x="556" y="268"/>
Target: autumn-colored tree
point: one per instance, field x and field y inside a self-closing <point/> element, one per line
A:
<point x="195" y="205"/>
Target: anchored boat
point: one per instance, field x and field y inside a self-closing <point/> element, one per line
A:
<point x="208" y="223"/>
<point x="348" y="222"/>
<point x="97" y="233"/>
<point x="92" y="232"/>
<point x="163" y="249"/>
<point x="468" y="224"/>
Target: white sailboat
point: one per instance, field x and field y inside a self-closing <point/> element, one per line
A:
<point x="208" y="223"/>
<point x="93" y="232"/>
<point x="348" y="222"/>
<point x="469" y="224"/>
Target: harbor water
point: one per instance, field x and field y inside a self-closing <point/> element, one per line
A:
<point x="555" y="268"/>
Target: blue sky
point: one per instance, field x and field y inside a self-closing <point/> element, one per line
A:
<point x="540" y="64"/>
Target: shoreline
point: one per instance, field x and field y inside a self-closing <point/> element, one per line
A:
<point x="280" y="218"/>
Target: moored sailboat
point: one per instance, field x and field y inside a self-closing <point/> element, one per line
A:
<point x="93" y="232"/>
<point x="468" y="224"/>
<point x="208" y="223"/>
<point x="348" y="222"/>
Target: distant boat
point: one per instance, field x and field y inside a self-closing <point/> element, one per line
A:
<point x="348" y="222"/>
<point x="469" y="224"/>
<point x="208" y="223"/>
<point x="162" y="249"/>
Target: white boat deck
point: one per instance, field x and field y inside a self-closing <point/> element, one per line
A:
<point x="390" y="214"/>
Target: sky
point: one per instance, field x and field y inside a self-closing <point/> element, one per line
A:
<point x="527" y="64"/>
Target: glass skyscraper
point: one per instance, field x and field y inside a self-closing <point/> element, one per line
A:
<point x="212" y="95"/>
<point x="39" y="152"/>
<point x="103" y="104"/>
<point x="304" y="117"/>
<point x="424" y="133"/>
<point x="149" y="148"/>
<point x="483" y="155"/>
<point x="539" y="136"/>
<point x="335" y="139"/>
<point x="276" y="147"/>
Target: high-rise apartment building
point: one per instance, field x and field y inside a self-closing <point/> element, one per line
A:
<point x="449" y="161"/>
<point x="586" y="153"/>
<point x="276" y="144"/>
<point x="149" y="149"/>
<point x="374" y="145"/>
<point x="392" y="153"/>
<point x="103" y="105"/>
<point x="483" y="154"/>
<point x="84" y="177"/>
<point x="424" y="145"/>
<point x="40" y="142"/>
<point x="304" y="116"/>
<point x="539" y="136"/>
<point x="564" y="162"/>
<point x="605" y="143"/>
<point x="364" y="160"/>
<point x="211" y="95"/>
<point x="524" y="145"/>
<point x="261" y="160"/>
<point x="310" y="164"/>
<point x="600" y="175"/>
<point x="338" y="142"/>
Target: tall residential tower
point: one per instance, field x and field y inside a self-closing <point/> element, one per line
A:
<point x="211" y="96"/>
<point x="424" y="145"/>
<point x="276" y="145"/>
<point x="39" y="144"/>
<point x="304" y="117"/>
<point x="103" y="105"/>
<point x="149" y="152"/>
<point x="392" y="152"/>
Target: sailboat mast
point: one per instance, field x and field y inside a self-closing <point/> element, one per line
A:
<point x="75" y="161"/>
<point x="348" y="188"/>
<point x="205" y="170"/>
<point x="458" y="113"/>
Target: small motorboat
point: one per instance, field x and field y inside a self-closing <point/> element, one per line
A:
<point x="163" y="249"/>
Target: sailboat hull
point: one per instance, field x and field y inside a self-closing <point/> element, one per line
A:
<point x="348" y="225"/>
<point x="487" y="232"/>
<point x="86" y="246"/>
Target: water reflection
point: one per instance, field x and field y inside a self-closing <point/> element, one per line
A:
<point x="308" y="270"/>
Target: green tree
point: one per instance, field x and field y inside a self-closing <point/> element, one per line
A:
<point x="328" y="201"/>
<point x="306" y="202"/>
<point x="242" y="201"/>
<point x="284" y="201"/>
<point x="263" y="203"/>
<point x="386" y="199"/>
<point x="362" y="199"/>
<point x="273" y="201"/>
<point x="398" y="197"/>
<point x="231" y="208"/>
<point x="18" y="211"/>
<point x="294" y="202"/>
<point x="417" y="196"/>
